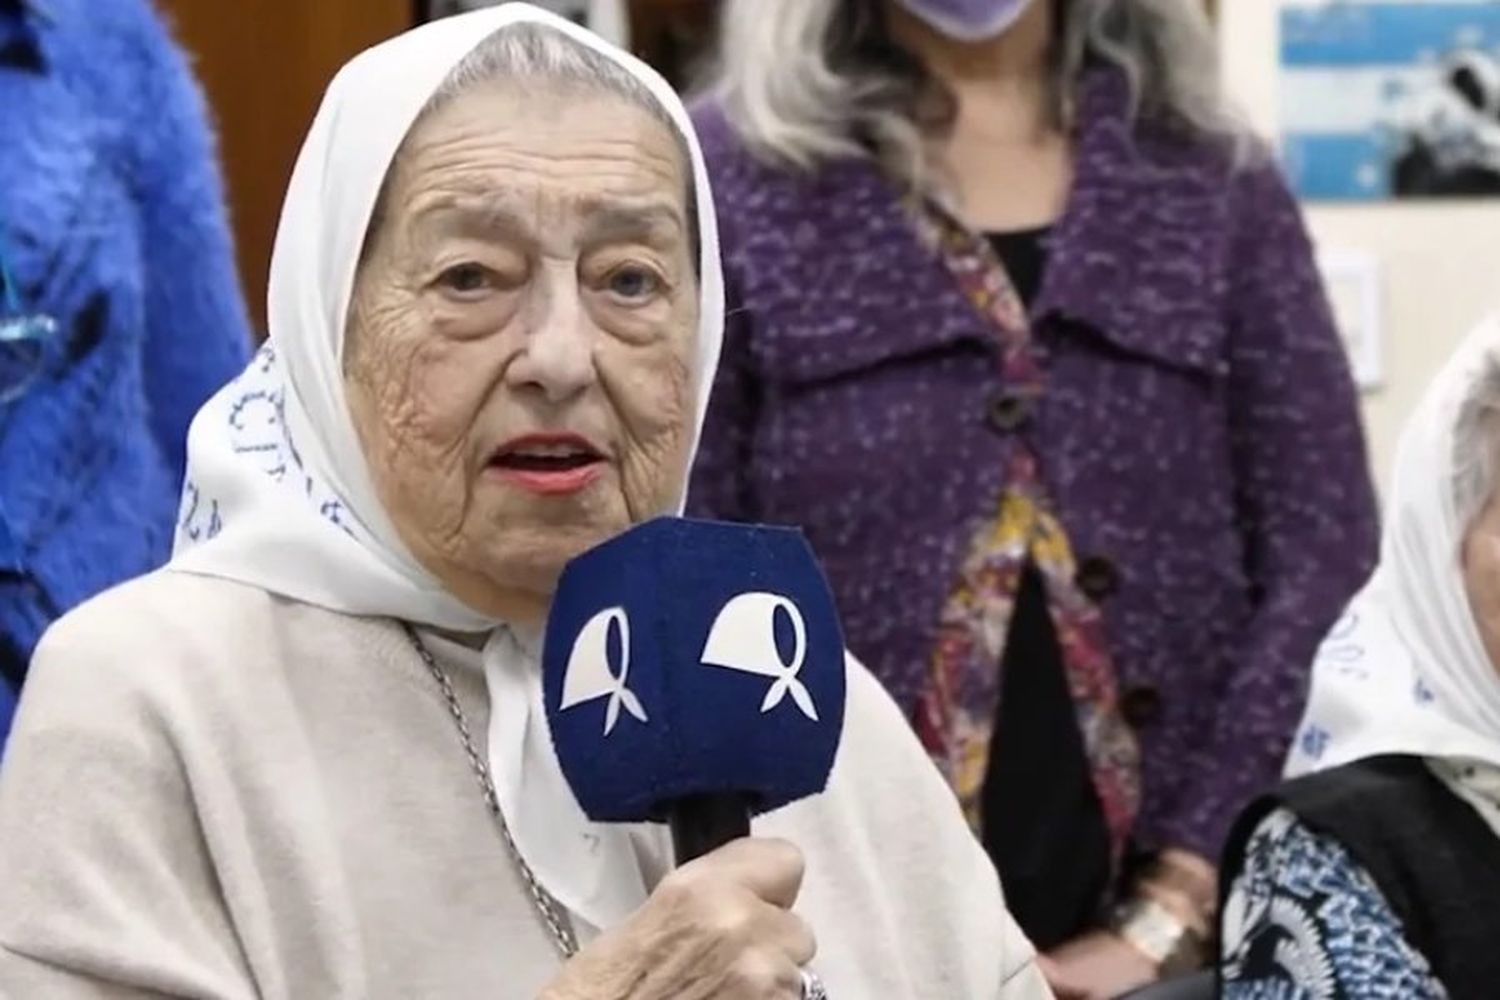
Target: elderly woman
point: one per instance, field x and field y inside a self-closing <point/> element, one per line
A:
<point x="496" y="305"/>
<point x="1378" y="875"/>
<point x="1028" y="336"/>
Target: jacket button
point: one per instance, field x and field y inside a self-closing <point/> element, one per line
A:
<point x="1009" y="412"/>
<point x="1098" y="578"/>
<point x="1141" y="705"/>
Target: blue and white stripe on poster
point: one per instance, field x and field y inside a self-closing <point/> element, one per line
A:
<point x="1389" y="99"/>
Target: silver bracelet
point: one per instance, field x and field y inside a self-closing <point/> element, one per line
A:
<point x="1157" y="933"/>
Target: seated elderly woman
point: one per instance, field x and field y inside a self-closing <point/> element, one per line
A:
<point x="257" y="773"/>
<point x="1378" y="874"/>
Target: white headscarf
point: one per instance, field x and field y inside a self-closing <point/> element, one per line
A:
<point x="278" y="494"/>
<point x="1404" y="671"/>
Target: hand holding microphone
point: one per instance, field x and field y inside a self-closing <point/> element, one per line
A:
<point x="719" y="928"/>
<point x="694" y="674"/>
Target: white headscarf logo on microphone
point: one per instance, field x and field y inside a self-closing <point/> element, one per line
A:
<point x="743" y="638"/>
<point x="590" y="676"/>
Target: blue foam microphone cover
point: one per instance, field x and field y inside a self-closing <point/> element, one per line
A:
<point x="687" y="659"/>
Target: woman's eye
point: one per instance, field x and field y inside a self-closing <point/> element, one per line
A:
<point x="467" y="279"/>
<point x="634" y="283"/>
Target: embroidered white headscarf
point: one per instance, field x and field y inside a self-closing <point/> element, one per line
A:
<point x="1404" y="670"/>
<point x="278" y="494"/>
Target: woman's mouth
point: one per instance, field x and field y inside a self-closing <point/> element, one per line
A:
<point x="548" y="464"/>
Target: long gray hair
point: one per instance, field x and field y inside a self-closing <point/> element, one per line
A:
<point x="1476" y="443"/>
<point x="804" y="81"/>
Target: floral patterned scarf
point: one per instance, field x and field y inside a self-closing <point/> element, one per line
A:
<point x="955" y="716"/>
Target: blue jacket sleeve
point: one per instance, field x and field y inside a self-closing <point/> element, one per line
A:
<point x="197" y="331"/>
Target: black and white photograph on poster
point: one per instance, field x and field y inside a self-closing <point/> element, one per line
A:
<point x="606" y="18"/>
<point x="1447" y="133"/>
<point x="1391" y="99"/>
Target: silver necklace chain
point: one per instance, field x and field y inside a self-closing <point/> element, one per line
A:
<point x="550" y="910"/>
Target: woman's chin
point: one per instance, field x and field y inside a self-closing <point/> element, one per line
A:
<point x="531" y="556"/>
<point x="518" y="541"/>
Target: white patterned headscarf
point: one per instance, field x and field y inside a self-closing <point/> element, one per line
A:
<point x="1405" y="671"/>
<point x="278" y="495"/>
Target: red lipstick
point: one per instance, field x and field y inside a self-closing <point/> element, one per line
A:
<point x="548" y="464"/>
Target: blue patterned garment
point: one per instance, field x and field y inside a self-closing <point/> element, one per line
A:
<point x="1306" y="922"/>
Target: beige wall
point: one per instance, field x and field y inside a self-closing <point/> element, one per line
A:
<point x="264" y="66"/>
<point x="1439" y="262"/>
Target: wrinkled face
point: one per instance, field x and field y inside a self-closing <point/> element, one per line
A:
<point x="1481" y="564"/>
<point x="520" y="348"/>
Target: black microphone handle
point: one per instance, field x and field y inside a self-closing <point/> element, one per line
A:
<point x="701" y="824"/>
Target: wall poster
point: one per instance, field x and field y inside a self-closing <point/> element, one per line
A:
<point x="1387" y="99"/>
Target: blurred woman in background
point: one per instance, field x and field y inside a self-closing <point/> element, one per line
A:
<point x="1027" y="334"/>
<point x="120" y="311"/>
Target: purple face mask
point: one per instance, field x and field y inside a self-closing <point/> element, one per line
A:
<point x="968" y="20"/>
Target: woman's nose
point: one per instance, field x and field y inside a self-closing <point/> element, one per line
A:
<point x="558" y="358"/>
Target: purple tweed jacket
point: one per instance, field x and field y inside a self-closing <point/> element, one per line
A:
<point x="1199" y="433"/>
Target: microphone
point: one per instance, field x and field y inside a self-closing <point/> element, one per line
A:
<point x="694" y="675"/>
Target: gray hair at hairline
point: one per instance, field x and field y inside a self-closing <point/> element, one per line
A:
<point x="528" y="53"/>
<point x="537" y="55"/>
<point x="1476" y="444"/>
<point x="803" y="81"/>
